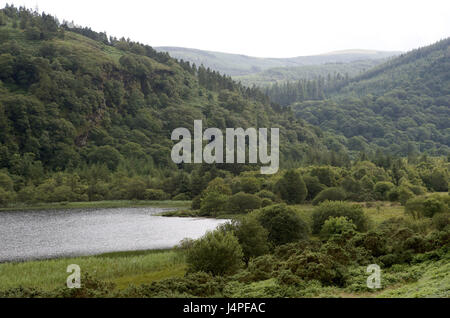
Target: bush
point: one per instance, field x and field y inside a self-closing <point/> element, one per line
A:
<point x="330" y="194"/>
<point x="266" y="194"/>
<point x="330" y="209"/>
<point x="243" y="203"/>
<point x="266" y="202"/>
<point x="213" y="203"/>
<point x="6" y="182"/>
<point x="196" y="203"/>
<point x="317" y="266"/>
<point x="155" y="195"/>
<point x="382" y="189"/>
<point x="313" y="186"/>
<point x="252" y="237"/>
<point x="249" y="185"/>
<point x="181" y="197"/>
<point x="404" y="194"/>
<point x="261" y="268"/>
<point x="393" y="195"/>
<point x="337" y="226"/>
<point x="282" y="223"/>
<point x="218" y="253"/>
<point x="441" y="221"/>
<point x="27" y="194"/>
<point x="6" y="197"/>
<point x="374" y="242"/>
<point x="424" y="207"/>
<point x="292" y="188"/>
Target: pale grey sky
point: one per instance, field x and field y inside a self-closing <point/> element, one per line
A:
<point x="279" y="28"/>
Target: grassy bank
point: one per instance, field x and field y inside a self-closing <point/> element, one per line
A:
<point x="123" y="269"/>
<point x="97" y="205"/>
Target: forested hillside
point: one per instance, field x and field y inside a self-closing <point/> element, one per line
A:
<point x="401" y="106"/>
<point x="85" y="117"/>
<point x="280" y="75"/>
<point x="77" y="101"/>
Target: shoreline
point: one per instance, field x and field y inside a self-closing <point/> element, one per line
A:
<point x="112" y="254"/>
<point x="96" y="205"/>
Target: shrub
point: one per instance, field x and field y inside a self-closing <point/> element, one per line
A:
<point x="243" y="203"/>
<point x="196" y="203"/>
<point x="292" y="188"/>
<point x="249" y="185"/>
<point x="330" y="194"/>
<point x="317" y="266"/>
<point x="155" y="195"/>
<point x="393" y="195"/>
<point x="27" y="194"/>
<point x="441" y="221"/>
<point x="266" y="194"/>
<point x="252" y="237"/>
<point x="330" y="209"/>
<point x="6" y="197"/>
<point x="282" y="223"/>
<point x="337" y="226"/>
<point x="6" y="182"/>
<point x="261" y="268"/>
<point x="313" y="186"/>
<point x="181" y="197"/>
<point x="382" y="189"/>
<point x="218" y="253"/>
<point x="374" y="242"/>
<point x="404" y="194"/>
<point x="213" y="203"/>
<point x="266" y="202"/>
<point x="424" y="207"/>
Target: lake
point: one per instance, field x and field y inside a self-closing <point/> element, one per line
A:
<point x="26" y="235"/>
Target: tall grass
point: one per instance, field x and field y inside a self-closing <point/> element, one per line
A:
<point x="130" y="267"/>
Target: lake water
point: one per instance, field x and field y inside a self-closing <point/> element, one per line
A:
<point x="29" y="235"/>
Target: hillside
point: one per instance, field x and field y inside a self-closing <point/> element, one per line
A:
<point x="307" y="72"/>
<point x="240" y="65"/>
<point x="71" y="98"/>
<point x="401" y="106"/>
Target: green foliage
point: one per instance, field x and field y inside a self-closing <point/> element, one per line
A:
<point x="441" y="221"/>
<point x="243" y="203"/>
<point x="292" y="188"/>
<point x="330" y="209"/>
<point x="404" y="194"/>
<point x="252" y="237"/>
<point x="382" y="189"/>
<point x="155" y="195"/>
<point x="313" y="186"/>
<point x="282" y="223"/>
<point x="6" y="182"/>
<point x="379" y="109"/>
<point x="330" y="194"/>
<point x="218" y="253"/>
<point x="336" y="226"/>
<point x="425" y="207"/>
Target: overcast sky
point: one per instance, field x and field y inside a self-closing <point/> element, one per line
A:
<point x="279" y="28"/>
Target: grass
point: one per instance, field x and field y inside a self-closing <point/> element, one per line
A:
<point x="123" y="269"/>
<point x="97" y="205"/>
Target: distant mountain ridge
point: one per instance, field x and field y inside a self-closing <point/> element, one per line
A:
<point x="240" y="65"/>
